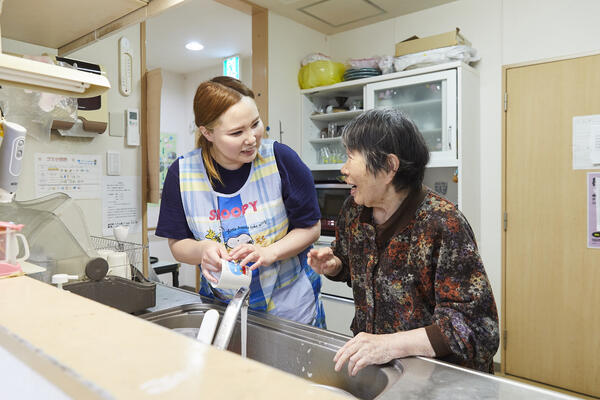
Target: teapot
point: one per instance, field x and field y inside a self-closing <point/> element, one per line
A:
<point x="10" y="249"/>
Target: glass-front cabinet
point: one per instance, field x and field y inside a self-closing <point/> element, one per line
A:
<point x="324" y="115"/>
<point x="429" y="100"/>
<point x="442" y="100"/>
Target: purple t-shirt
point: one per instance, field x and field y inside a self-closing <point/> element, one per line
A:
<point x="297" y="185"/>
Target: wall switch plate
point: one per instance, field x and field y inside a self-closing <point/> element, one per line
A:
<point x="132" y="125"/>
<point x="113" y="163"/>
<point x="116" y="124"/>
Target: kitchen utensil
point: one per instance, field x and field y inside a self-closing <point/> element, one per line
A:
<point x="120" y="232"/>
<point x="331" y="129"/>
<point x="232" y="276"/>
<point x="118" y="264"/>
<point x="96" y="269"/>
<point x="208" y="327"/>
<point x="341" y="100"/>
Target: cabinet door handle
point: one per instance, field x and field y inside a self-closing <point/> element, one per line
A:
<point x="449" y="137"/>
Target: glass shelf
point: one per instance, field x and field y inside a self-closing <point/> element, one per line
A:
<point x="326" y="140"/>
<point x="336" y="116"/>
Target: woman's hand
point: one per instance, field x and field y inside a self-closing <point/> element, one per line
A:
<point x="322" y="261"/>
<point x="364" y="349"/>
<point x="253" y="253"/>
<point x="212" y="254"/>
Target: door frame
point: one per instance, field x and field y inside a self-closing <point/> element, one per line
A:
<point x="505" y="69"/>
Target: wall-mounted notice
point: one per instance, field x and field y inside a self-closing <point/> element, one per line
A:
<point x="586" y="142"/>
<point x="121" y="203"/>
<point x="593" y="210"/>
<point x="78" y="175"/>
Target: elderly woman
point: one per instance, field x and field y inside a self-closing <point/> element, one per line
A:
<point x="409" y="255"/>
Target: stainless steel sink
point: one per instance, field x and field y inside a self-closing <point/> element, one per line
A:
<point x="295" y="348"/>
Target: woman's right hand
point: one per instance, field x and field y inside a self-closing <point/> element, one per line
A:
<point x="323" y="261"/>
<point x="212" y="253"/>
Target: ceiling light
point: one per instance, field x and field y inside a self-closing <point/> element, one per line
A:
<point x="194" y="46"/>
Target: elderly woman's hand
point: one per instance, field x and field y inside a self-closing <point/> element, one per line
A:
<point x="323" y="261"/>
<point x="364" y="349"/>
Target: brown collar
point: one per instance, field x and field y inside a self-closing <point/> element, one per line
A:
<point x="399" y="220"/>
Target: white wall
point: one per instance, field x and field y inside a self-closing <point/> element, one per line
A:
<point x="104" y="52"/>
<point x="289" y="43"/>
<point x="558" y="28"/>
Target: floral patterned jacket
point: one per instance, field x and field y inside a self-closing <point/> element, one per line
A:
<point x="421" y="268"/>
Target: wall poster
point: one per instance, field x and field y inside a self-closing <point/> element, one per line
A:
<point x="593" y="210"/>
<point x="78" y="175"/>
<point x="121" y="199"/>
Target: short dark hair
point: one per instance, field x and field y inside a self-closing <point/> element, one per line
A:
<point x="380" y="132"/>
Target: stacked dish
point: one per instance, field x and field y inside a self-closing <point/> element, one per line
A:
<point x="357" y="73"/>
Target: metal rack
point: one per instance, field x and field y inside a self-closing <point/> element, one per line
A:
<point x="134" y="251"/>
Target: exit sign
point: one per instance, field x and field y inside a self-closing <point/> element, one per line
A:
<point x="231" y="67"/>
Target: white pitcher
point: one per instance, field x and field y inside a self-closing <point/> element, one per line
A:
<point x="9" y="244"/>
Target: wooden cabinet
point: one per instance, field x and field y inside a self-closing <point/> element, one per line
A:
<point x="442" y="100"/>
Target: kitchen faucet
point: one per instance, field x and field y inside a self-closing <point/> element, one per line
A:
<point x="230" y="317"/>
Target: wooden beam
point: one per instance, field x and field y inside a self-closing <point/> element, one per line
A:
<point x="144" y="143"/>
<point x="260" y="62"/>
<point x="153" y="8"/>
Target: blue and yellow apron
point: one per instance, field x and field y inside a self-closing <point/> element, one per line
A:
<point x="254" y="214"/>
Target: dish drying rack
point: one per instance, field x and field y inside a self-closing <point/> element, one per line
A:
<point x="135" y="251"/>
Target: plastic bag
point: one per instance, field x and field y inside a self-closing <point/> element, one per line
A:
<point x="371" y="62"/>
<point x="320" y="73"/>
<point x="312" y="57"/>
<point x="436" y="56"/>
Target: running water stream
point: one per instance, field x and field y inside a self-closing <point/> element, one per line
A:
<point x="244" y="328"/>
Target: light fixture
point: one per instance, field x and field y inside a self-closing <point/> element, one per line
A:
<point x="194" y="46"/>
<point x="43" y="77"/>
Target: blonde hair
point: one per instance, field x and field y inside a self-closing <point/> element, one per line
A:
<point x="212" y="99"/>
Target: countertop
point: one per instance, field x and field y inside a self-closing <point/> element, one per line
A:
<point x="73" y="347"/>
<point x="84" y="349"/>
<point x="423" y="378"/>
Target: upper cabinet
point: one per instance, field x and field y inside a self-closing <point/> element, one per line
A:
<point x="429" y="96"/>
<point x="443" y="101"/>
<point x="430" y="101"/>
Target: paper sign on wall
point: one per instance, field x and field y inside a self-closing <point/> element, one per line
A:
<point x="593" y="210"/>
<point x="121" y="203"/>
<point x="78" y="175"/>
<point x="586" y="142"/>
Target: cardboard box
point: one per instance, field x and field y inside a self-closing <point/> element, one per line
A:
<point x="415" y="45"/>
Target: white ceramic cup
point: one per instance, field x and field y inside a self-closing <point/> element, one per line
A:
<point x="104" y="253"/>
<point x="118" y="264"/>
<point x="120" y="232"/>
<point x="232" y="276"/>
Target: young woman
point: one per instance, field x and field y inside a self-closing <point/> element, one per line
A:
<point x="241" y="197"/>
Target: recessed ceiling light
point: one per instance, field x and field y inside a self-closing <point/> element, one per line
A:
<point x="194" y="46"/>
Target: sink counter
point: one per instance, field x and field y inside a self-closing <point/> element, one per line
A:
<point x="422" y="378"/>
<point x="88" y="350"/>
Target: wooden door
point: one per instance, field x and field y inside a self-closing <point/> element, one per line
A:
<point x="552" y="280"/>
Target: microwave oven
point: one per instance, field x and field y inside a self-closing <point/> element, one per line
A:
<point x="331" y="197"/>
